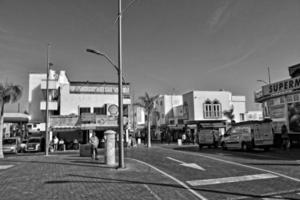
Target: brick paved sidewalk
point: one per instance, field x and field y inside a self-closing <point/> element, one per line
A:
<point x="68" y="176"/>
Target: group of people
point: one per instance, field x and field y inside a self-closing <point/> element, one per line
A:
<point x="58" y="144"/>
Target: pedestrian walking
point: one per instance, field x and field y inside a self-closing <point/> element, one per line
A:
<point x="94" y="141"/>
<point x="285" y="140"/>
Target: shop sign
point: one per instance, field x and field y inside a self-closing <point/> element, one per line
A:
<point x="63" y="121"/>
<point x="277" y="111"/>
<point x="281" y="87"/>
<point x="88" y="117"/>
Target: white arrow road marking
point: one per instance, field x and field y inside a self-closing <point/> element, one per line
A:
<point x="192" y="165"/>
<point x="231" y="179"/>
<point x="5" y="166"/>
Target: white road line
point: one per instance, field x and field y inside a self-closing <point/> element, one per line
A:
<point x="192" y="165"/>
<point x="239" y="164"/>
<point x="231" y="179"/>
<point x="5" y="166"/>
<point x="173" y="178"/>
<point x="250" y="167"/>
<point x="153" y="193"/>
<point x="175" y="160"/>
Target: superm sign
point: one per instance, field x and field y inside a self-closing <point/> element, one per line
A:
<point x="282" y="86"/>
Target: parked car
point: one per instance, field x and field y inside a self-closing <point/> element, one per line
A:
<point x="11" y="145"/>
<point x="34" y="144"/>
<point x="248" y="135"/>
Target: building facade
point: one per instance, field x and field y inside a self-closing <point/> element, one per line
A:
<point x="205" y="109"/>
<point x="281" y="102"/>
<point x="76" y="108"/>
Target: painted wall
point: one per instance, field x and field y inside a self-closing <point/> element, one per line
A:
<point x="35" y="96"/>
<point x="239" y="105"/>
<point x="196" y="99"/>
<point x="70" y="102"/>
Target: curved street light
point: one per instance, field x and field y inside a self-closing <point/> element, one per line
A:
<point x="262" y="81"/>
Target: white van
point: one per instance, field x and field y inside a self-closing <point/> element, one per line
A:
<point x="248" y="135"/>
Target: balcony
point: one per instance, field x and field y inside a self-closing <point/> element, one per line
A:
<point x="53" y="84"/>
<point x="52" y="105"/>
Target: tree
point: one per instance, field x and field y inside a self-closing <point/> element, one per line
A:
<point x="9" y="93"/>
<point x="229" y="114"/>
<point x="147" y="103"/>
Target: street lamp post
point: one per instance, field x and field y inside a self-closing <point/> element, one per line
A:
<point x="263" y="81"/>
<point x="47" y="105"/>
<point x="120" y="83"/>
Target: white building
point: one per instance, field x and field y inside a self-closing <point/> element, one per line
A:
<point x="76" y="108"/>
<point x="205" y="109"/>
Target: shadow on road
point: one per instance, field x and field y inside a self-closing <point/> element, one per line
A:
<point x="176" y="186"/>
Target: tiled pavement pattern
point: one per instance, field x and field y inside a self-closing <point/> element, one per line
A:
<point x="68" y="176"/>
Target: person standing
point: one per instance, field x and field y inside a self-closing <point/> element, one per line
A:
<point x="94" y="141"/>
<point x="285" y="137"/>
<point x="55" y="143"/>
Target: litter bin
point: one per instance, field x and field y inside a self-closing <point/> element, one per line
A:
<point x="85" y="150"/>
<point x="179" y="141"/>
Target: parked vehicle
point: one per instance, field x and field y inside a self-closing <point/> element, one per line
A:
<point x="207" y="137"/>
<point x="11" y="145"/>
<point x="248" y="135"/>
<point x="34" y="144"/>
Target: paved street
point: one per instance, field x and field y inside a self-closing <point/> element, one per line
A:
<point x="228" y="174"/>
<point x="162" y="172"/>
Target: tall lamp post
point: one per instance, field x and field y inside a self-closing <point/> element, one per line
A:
<point x="120" y="83"/>
<point x="47" y="105"/>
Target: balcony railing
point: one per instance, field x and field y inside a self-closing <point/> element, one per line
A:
<point x="212" y="115"/>
<point x="52" y="105"/>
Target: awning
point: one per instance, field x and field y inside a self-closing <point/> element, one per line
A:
<point x="16" y="118"/>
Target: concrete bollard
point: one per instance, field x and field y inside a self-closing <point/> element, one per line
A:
<point x="179" y="141"/>
<point x="110" y="156"/>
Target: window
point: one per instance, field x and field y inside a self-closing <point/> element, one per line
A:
<point x="296" y="97"/>
<point x="172" y="122"/>
<point x="180" y="121"/>
<point x="242" y="117"/>
<point x="212" y="109"/>
<point x="100" y="110"/>
<point x="84" y="110"/>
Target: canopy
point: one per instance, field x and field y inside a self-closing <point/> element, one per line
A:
<point x="16" y="118"/>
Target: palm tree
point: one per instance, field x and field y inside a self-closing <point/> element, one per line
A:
<point x="147" y="103"/>
<point x="229" y="114"/>
<point x="9" y="93"/>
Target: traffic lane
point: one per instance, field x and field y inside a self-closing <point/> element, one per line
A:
<point x="215" y="169"/>
<point x="280" y="161"/>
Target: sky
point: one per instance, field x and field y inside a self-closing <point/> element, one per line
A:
<point x="169" y="46"/>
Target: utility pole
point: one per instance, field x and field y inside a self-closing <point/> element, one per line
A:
<point x="47" y="102"/>
<point x="269" y="75"/>
<point x="120" y="73"/>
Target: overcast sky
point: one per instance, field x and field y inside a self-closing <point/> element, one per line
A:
<point x="169" y="46"/>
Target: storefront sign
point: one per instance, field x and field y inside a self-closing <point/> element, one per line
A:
<point x="281" y="86"/>
<point x="277" y="111"/>
<point x="63" y="121"/>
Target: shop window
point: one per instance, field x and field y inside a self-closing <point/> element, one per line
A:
<point x="84" y="110"/>
<point x="296" y="97"/>
<point x="172" y="122"/>
<point x="281" y="100"/>
<point x="289" y="98"/>
<point x="180" y="121"/>
<point x="100" y="110"/>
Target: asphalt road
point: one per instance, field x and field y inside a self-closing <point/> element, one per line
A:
<point x="219" y="174"/>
